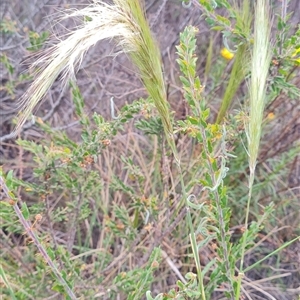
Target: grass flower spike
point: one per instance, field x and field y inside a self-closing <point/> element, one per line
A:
<point x="124" y="20"/>
<point x="261" y="59"/>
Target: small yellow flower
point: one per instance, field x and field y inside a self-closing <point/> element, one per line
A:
<point x="296" y="52"/>
<point x="218" y="136"/>
<point x="39" y="120"/>
<point x="271" y="116"/>
<point x="226" y="53"/>
<point x="212" y="160"/>
<point x="297" y="59"/>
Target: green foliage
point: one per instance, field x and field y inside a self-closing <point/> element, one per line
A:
<point x="208" y="136"/>
<point x="11" y="84"/>
<point x="37" y="40"/>
<point x="135" y="283"/>
<point x="8" y="26"/>
<point x="183" y="291"/>
<point x="65" y="167"/>
<point x="4" y="60"/>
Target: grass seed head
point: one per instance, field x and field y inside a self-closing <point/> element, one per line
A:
<point x="261" y="59"/>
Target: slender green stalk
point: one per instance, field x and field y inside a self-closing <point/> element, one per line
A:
<point x="272" y="253"/>
<point x="236" y="77"/>
<point x="261" y="58"/>
<point x="240" y="65"/>
<point x="187" y="65"/>
<point x="193" y="94"/>
<point x="192" y="236"/>
<point x="222" y="226"/>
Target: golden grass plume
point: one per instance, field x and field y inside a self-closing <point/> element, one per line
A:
<point x="261" y="58"/>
